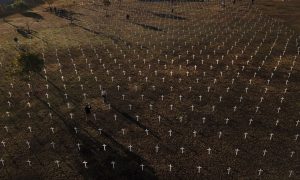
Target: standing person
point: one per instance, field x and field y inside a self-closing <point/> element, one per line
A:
<point x="223" y="3"/>
<point x="88" y="109"/>
<point x="104" y="95"/>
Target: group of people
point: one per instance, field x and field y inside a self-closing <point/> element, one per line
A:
<point x="88" y="107"/>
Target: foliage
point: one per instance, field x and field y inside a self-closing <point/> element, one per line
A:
<point x="49" y="2"/>
<point x="106" y="2"/>
<point x="17" y="4"/>
<point x="30" y="62"/>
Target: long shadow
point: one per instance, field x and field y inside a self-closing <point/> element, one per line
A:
<point x="114" y="38"/>
<point x="127" y="166"/>
<point x="63" y="13"/>
<point x="132" y="120"/>
<point x="28" y="6"/>
<point x="32" y="15"/>
<point x="129" y="163"/>
<point x="61" y="92"/>
<point x="27" y="33"/>
<point x="169" y="16"/>
<point x="146" y="26"/>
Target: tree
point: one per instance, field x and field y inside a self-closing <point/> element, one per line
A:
<point x="18" y="4"/>
<point x="106" y="3"/>
<point x="30" y="62"/>
<point x="49" y="2"/>
<point x="2" y="9"/>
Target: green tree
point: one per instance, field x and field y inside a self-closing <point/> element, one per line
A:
<point x="30" y="62"/>
<point x="49" y="2"/>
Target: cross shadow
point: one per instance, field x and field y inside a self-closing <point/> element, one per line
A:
<point x="127" y="163"/>
<point x="145" y="26"/>
<point x="169" y="16"/>
<point x="114" y="38"/>
<point x="32" y="15"/>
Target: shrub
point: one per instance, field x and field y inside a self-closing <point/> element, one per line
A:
<point x="30" y="62"/>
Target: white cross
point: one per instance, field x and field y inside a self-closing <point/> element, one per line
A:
<point x="199" y="169"/>
<point x="264" y="152"/>
<point x="297" y="122"/>
<point x="170" y="132"/>
<point x="220" y="134"/>
<point x="170" y="167"/>
<point x="130" y="147"/>
<point x="52" y="129"/>
<point x="30" y="129"/>
<point x="29" y="162"/>
<point x="227" y="120"/>
<point x="142" y="166"/>
<point x="28" y="144"/>
<point x="195" y="133"/>
<point x="53" y="144"/>
<point x="260" y="171"/>
<point x="200" y="97"/>
<point x="203" y="120"/>
<point x="6" y="128"/>
<point x="236" y="151"/>
<point x="3" y="143"/>
<point x="209" y="150"/>
<point x="296" y="137"/>
<point x="57" y="162"/>
<point x="182" y="150"/>
<point x="156" y="148"/>
<point x="113" y="164"/>
<point x="245" y="135"/>
<point x="250" y="121"/>
<point x="271" y="136"/>
<point x="292" y="153"/>
<point x="85" y="164"/>
<point x="76" y="130"/>
<point x="228" y="170"/>
<point x="290" y="173"/>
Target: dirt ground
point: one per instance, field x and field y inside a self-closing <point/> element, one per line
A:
<point x="194" y="91"/>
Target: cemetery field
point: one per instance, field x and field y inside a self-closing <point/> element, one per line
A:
<point x="191" y="90"/>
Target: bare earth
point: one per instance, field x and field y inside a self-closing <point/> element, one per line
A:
<point x="203" y="92"/>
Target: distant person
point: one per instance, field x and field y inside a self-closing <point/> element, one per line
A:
<point x="88" y="109"/>
<point x="127" y="16"/>
<point x="223" y="3"/>
<point x="104" y="96"/>
<point x="172" y="10"/>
